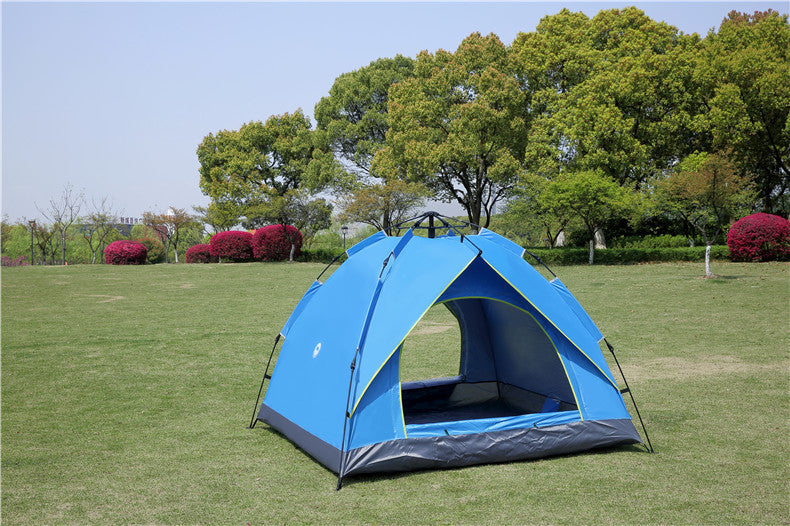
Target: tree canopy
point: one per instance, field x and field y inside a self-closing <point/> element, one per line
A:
<point x="459" y="126"/>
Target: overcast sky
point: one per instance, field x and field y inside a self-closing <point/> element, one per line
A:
<point x="114" y="98"/>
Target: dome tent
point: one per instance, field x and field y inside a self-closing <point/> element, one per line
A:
<point x="532" y="380"/>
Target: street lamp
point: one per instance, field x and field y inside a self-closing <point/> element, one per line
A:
<point x="32" y="224"/>
<point x="344" y="230"/>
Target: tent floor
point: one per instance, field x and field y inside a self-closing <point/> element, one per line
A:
<point x="466" y="401"/>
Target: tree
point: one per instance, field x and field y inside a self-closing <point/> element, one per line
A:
<point x="459" y="126"/>
<point x="97" y="226"/>
<point x="63" y="211"/>
<point x="382" y="205"/>
<point x="744" y="76"/>
<point x="612" y="94"/>
<point x="296" y="208"/>
<point x="170" y="226"/>
<point x="706" y="191"/>
<point x="46" y="239"/>
<point x="532" y="205"/>
<point x="220" y="215"/>
<point x="239" y="168"/>
<point x="354" y="117"/>
<point x="592" y="196"/>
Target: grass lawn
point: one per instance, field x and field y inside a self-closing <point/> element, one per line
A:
<point x="126" y="392"/>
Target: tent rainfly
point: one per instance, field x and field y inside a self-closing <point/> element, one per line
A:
<point x="532" y="380"/>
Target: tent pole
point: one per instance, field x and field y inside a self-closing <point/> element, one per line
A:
<point x="265" y="376"/>
<point x="345" y="423"/>
<point x="631" y="394"/>
<point x="327" y="267"/>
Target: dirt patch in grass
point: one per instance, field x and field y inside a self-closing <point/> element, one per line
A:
<point x="105" y="298"/>
<point x="706" y="365"/>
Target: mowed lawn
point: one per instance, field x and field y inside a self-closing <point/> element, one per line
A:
<point x="127" y="391"/>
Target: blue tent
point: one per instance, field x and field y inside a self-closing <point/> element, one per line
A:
<point x="532" y="380"/>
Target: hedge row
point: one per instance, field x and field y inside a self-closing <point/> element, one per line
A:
<point x="623" y="256"/>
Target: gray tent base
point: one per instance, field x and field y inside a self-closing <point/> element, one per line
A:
<point x="452" y="451"/>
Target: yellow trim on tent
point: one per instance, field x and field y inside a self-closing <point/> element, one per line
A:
<point x="555" y="326"/>
<point x="359" y="399"/>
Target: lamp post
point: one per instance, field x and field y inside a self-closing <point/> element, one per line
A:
<point x="32" y="224"/>
<point x="344" y="230"/>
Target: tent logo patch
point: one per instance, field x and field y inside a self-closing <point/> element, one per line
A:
<point x="317" y="350"/>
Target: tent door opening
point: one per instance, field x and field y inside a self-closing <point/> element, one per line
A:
<point x="507" y="366"/>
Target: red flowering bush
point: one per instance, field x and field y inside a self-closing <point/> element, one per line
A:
<point x="759" y="237"/>
<point x="273" y="242"/>
<point x="233" y="245"/>
<point x="200" y="254"/>
<point x="125" y="253"/>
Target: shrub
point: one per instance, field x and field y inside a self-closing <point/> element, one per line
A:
<point x="156" y="250"/>
<point x="660" y="241"/>
<point x="200" y="253"/>
<point x="233" y="245"/>
<point x="271" y="243"/>
<point x="125" y="252"/>
<point x="759" y="237"/>
<point x="624" y="256"/>
<point x="320" y="255"/>
<point x="20" y="261"/>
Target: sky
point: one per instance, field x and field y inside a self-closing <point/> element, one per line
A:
<point x="114" y="98"/>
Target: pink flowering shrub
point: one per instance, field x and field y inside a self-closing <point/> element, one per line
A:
<point x="233" y="245"/>
<point x="273" y="243"/>
<point x="759" y="237"/>
<point x="125" y="253"/>
<point x="200" y="253"/>
<point x="21" y="261"/>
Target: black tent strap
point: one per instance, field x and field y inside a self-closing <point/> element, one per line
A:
<point x="627" y="389"/>
<point x="346" y="416"/>
<point x="537" y="258"/>
<point x="445" y="225"/>
<point x="329" y="265"/>
<point x="417" y="220"/>
<point x="266" y="376"/>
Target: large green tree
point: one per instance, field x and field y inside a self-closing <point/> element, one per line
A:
<point x="241" y="167"/>
<point x="744" y="76"/>
<point x="354" y="116"/>
<point x="459" y="126"/>
<point x="611" y="94"/>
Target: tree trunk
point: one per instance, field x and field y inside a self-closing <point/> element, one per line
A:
<point x="560" y="240"/>
<point x="708" y="273"/>
<point x="175" y="253"/>
<point x="63" y="249"/>
<point x="600" y="239"/>
<point x="293" y="249"/>
<point x="592" y="251"/>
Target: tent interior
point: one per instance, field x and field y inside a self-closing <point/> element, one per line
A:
<point x="509" y="364"/>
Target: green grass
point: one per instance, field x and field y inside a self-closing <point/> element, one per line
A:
<point x="126" y="392"/>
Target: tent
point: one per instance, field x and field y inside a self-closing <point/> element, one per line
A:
<point x="532" y="379"/>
